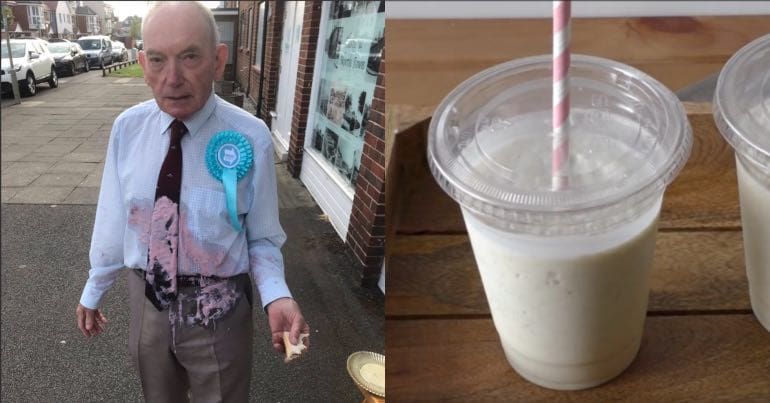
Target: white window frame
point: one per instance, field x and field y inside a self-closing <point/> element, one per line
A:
<point x="34" y="13"/>
<point x="250" y="28"/>
<point x="242" y="29"/>
<point x="317" y="172"/>
<point x="260" y="34"/>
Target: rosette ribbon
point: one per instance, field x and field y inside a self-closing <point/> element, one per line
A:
<point x="229" y="157"/>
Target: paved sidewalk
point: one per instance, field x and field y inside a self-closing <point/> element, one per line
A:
<point x="53" y="147"/>
<point x="53" y="144"/>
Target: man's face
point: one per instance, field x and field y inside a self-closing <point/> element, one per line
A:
<point x="179" y="62"/>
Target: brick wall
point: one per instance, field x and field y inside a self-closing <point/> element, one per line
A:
<point x="248" y="74"/>
<point x="81" y="24"/>
<point x="21" y="17"/>
<point x="243" y="50"/>
<point x="307" y="51"/>
<point x="366" y="232"/>
<point x="272" y="58"/>
<point x="252" y="88"/>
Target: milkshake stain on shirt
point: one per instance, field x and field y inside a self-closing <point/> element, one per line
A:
<point x="208" y="243"/>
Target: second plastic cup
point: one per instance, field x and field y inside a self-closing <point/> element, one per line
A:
<point x="742" y="114"/>
<point x="565" y="272"/>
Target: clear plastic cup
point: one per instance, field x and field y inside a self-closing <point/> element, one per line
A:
<point x="565" y="272"/>
<point x="742" y="114"/>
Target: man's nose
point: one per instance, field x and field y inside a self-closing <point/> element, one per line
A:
<point x="174" y="73"/>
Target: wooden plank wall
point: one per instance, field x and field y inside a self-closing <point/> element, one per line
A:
<point x="701" y="340"/>
<point x="428" y="58"/>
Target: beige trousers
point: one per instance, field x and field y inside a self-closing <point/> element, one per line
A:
<point x="192" y="362"/>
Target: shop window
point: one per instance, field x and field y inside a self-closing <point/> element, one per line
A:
<point x="350" y="62"/>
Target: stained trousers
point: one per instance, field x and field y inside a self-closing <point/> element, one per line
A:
<point x="197" y="363"/>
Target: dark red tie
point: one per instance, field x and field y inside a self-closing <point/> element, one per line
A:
<point x="162" y="259"/>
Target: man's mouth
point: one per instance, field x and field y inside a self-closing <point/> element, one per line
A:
<point x="178" y="98"/>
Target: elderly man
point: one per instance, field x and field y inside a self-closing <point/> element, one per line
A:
<point x="188" y="205"/>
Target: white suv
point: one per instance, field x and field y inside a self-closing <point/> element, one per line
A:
<point x="33" y="63"/>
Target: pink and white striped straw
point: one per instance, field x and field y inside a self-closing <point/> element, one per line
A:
<point x="561" y="61"/>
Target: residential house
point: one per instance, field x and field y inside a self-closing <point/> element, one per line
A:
<point x="31" y="18"/>
<point x="315" y="70"/>
<point x="62" y="19"/>
<point x="105" y="15"/>
<point x="87" y="22"/>
<point x="122" y="31"/>
<point x="227" y="22"/>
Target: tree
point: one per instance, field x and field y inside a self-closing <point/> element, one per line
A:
<point x="7" y="17"/>
<point x="136" y="27"/>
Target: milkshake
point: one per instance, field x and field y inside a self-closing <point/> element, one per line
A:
<point x="742" y="114"/>
<point x="593" y="291"/>
<point x="565" y="271"/>
<point x="754" y="191"/>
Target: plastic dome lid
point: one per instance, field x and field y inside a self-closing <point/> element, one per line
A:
<point x="742" y="101"/>
<point x="489" y="145"/>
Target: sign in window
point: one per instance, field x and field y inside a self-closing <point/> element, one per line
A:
<point x="352" y="50"/>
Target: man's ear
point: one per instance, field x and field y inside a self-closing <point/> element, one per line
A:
<point x="142" y="58"/>
<point x="221" y="60"/>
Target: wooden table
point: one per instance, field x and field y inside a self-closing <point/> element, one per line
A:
<point x="701" y="341"/>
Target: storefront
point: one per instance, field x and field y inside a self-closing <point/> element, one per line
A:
<point x="321" y="89"/>
<point x="343" y="89"/>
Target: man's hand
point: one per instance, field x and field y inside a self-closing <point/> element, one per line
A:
<point x="284" y="314"/>
<point x="90" y="321"/>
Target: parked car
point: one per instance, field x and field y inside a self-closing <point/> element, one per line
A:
<point x="119" y="52"/>
<point x="33" y="63"/>
<point x="98" y="50"/>
<point x="69" y="57"/>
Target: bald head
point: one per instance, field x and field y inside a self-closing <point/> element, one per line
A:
<point x="181" y="58"/>
<point x="167" y="9"/>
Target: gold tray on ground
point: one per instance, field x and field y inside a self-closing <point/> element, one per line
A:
<point x="368" y="371"/>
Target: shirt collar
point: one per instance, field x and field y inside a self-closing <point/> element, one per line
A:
<point x="193" y="123"/>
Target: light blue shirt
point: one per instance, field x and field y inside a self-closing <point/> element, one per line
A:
<point x="208" y="243"/>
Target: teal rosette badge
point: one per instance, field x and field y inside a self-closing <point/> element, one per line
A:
<point x="229" y="157"/>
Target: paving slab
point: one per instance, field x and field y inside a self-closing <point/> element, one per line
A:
<point x="58" y="149"/>
<point x="23" y="173"/>
<point x="27" y="166"/>
<point x="57" y="126"/>
<point x="92" y="180"/>
<point x="88" y="147"/>
<point x="84" y="157"/>
<point x="73" y="167"/>
<point x="7" y="192"/>
<point x="41" y="195"/>
<point x="59" y="179"/>
<point x="16" y="152"/>
<point x="83" y="195"/>
<point x="66" y="141"/>
<point x="21" y="139"/>
<point x="80" y="131"/>
<point x="42" y="157"/>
